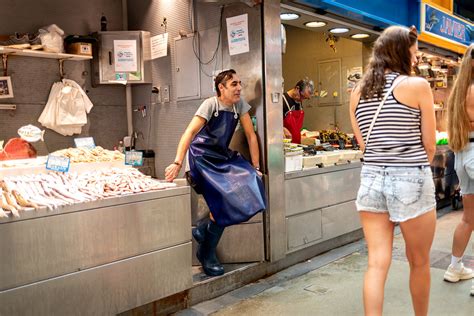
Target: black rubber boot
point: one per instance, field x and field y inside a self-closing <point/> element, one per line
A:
<point x="199" y="232"/>
<point x="206" y="252"/>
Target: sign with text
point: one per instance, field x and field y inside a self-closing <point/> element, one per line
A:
<point x="84" y="142"/>
<point x="134" y="158"/>
<point x="159" y="46"/>
<point x="57" y="163"/>
<point x="125" y="55"/>
<point x="238" y="34"/>
<point x="443" y="25"/>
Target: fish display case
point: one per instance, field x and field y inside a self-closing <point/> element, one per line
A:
<point x="97" y="257"/>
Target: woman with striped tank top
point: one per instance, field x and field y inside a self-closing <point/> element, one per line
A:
<point x="393" y="119"/>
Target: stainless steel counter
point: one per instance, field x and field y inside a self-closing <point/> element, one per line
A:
<point x="320" y="204"/>
<point x="78" y="207"/>
<point x="314" y="171"/>
<point x="97" y="258"/>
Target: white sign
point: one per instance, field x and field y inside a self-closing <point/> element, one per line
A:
<point x="159" y="46"/>
<point x="84" y="142"/>
<point x="57" y="163"/>
<point x="125" y="55"/>
<point x="238" y="34"/>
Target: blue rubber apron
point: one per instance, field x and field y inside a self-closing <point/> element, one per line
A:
<point x="230" y="185"/>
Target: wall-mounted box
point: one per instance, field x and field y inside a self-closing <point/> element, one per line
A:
<point x="122" y="56"/>
<point x="187" y="72"/>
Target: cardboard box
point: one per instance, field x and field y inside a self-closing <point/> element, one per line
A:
<point x="79" y="49"/>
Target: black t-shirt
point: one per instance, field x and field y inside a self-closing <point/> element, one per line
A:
<point x="292" y="103"/>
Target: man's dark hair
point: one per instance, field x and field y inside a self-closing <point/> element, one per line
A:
<point x="303" y="83"/>
<point x="223" y="77"/>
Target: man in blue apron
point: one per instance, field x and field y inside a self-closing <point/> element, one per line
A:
<point x="232" y="186"/>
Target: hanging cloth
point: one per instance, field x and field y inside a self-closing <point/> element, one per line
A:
<point x="66" y="109"/>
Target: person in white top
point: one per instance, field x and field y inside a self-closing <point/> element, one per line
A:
<point x="461" y="141"/>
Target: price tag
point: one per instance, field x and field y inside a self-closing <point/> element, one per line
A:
<point x="57" y="163"/>
<point x="85" y="142"/>
<point x="134" y="158"/>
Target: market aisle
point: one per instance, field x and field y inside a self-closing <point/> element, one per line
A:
<point x="335" y="289"/>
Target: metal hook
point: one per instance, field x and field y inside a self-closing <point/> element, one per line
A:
<point x="5" y="64"/>
<point x="61" y="69"/>
<point x="164" y="23"/>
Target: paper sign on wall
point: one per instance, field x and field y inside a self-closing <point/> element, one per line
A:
<point x="159" y="46"/>
<point x="238" y="34"/>
<point x="125" y="55"/>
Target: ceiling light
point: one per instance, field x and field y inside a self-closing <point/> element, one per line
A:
<point x="360" y="35"/>
<point x="315" y="24"/>
<point x="339" y="30"/>
<point x="289" y="16"/>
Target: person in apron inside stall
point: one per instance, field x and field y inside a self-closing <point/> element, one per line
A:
<point x="293" y="114"/>
<point x="231" y="186"/>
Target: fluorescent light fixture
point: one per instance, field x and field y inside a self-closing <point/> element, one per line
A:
<point x="289" y="16"/>
<point x="360" y="35"/>
<point x="315" y="24"/>
<point x="339" y="30"/>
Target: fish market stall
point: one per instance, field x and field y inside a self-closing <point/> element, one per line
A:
<point x="102" y="238"/>
<point x="321" y="183"/>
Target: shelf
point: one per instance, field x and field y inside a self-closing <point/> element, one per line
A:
<point x="41" y="54"/>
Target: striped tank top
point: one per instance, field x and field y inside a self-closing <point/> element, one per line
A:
<point x="395" y="140"/>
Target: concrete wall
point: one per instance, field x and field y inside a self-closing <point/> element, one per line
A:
<point x="303" y="52"/>
<point x="32" y="78"/>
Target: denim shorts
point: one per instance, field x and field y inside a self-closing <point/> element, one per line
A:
<point x="402" y="192"/>
<point x="464" y="165"/>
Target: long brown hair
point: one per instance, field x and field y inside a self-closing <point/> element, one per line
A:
<point x="391" y="51"/>
<point x="458" y="121"/>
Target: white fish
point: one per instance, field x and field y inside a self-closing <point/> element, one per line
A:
<point x="31" y="133"/>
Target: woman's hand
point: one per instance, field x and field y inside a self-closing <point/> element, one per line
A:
<point x="172" y="171"/>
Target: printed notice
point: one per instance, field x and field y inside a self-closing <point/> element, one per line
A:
<point x="84" y="142"/>
<point x="125" y="55"/>
<point x="238" y="34"/>
<point x="57" y="163"/>
<point x="134" y="158"/>
<point x="159" y="46"/>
